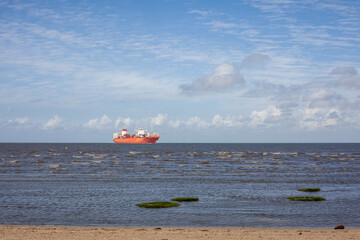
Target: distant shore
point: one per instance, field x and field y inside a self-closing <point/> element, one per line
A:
<point x="15" y="232"/>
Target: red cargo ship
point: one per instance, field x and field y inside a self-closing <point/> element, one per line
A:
<point x="141" y="136"/>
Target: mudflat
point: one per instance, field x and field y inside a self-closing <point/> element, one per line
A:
<point x="15" y="232"/>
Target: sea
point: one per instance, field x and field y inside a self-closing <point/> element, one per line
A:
<point x="238" y="185"/>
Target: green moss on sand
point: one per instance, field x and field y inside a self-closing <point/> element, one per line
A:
<point x="185" y="199"/>
<point x="307" y="198"/>
<point x="158" y="204"/>
<point x="309" y="189"/>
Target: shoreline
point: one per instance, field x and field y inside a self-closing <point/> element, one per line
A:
<point x="29" y="232"/>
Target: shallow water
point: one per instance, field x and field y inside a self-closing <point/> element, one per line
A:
<point x="239" y="185"/>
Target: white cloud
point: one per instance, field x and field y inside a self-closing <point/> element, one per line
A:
<point x="217" y="121"/>
<point x="145" y="122"/>
<point x="175" y="124"/>
<point x="18" y="121"/>
<point x="53" y="123"/>
<point x="228" y="121"/>
<point x="103" y="123"/>
<point x="224" y="77"/>
<point x="265" y="117"/>
<point x="123" y="122"/>
<point x="196" y="122"/>
<point x="322" y="118"/>
<point x="158" y="120"/>
<point x="190" y="122"/>
<point x="318" y="118"/>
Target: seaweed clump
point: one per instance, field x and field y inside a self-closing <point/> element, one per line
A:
<point x="309" y="189"/>
<point x="307" y="198"/>
<point x="158" y="204"/>
<point x="185" y="199"/>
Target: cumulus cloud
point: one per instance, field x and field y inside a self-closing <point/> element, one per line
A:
<point x="190" y="122"/>
<point x="99" y="123"/>
<point x="145" y="122"/>
<point x="318" y="118"/>
<point x="260" y="119"/>
<point x="158" y="120"/>
<point x="54" y="123"/>
<point x="123" y="122"/>
<point x="18" y="121"/>
<point x="175" y="124"/>
<point x="265" y="117"/>
<point x="196" y="122"/>
<point x="217" y="121"/>
<point x="256" y="60"/>
<point x="224" y="77"/>
<point x="228" y="121"/>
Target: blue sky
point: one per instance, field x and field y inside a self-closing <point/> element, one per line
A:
<point x="194" y="71"/>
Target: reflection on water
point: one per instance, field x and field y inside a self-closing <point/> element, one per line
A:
<point x="238" y="184"/>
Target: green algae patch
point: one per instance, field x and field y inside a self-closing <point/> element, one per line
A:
<point x="185" y="199"/>
<point x="306" y="199"/>
<point x="158" y="204"/>
<point x="309" y="189"/>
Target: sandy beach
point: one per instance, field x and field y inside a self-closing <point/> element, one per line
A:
<point x="13" y="232"/>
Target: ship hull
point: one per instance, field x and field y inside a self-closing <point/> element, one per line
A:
<point x="136" y="140"/>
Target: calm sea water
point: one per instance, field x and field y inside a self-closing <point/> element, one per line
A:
<point x="239" y="185"/>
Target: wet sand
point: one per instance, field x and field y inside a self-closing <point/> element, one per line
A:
<point x="12" y="232"/>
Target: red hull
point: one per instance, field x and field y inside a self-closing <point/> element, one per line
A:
<point x="136" y="140"/>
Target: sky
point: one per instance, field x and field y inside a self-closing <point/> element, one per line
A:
<point x="251" y="71"/>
